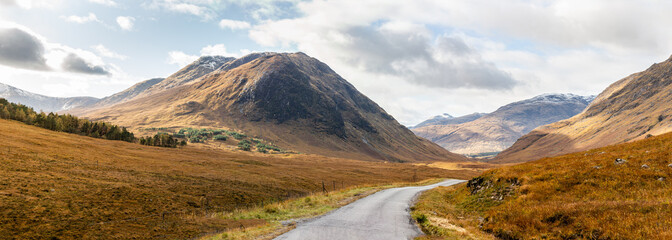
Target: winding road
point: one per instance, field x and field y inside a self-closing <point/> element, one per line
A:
<point x="383" y="215"/>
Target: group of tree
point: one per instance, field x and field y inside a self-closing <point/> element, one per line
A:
<point x="162" y="140"/>
<point x="195" y="135"/>
<point x="63" y="123"/>
<point x="71" y="124"/>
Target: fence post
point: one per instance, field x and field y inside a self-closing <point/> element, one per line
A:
<point x="323" y="188"/>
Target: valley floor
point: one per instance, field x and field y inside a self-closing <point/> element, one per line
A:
<point x="67" y="186"/>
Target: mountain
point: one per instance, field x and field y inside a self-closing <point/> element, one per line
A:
<point x="447" y="119"/>
<point x="187" y="75"/>
<point x="290" y="98"/>
<point x="41" y="102"/>
<point x="190" y="73"/>
<point x="498" y="130"/>
<point x="630" y="109"/>
<point x="129" y="93"/>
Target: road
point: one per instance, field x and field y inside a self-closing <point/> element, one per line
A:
<point x="383" y="215"/>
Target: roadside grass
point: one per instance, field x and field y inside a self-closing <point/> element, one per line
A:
<point x="584" y="195"/>
<point x="283" y="216"/>
<point x="440" y="216"/>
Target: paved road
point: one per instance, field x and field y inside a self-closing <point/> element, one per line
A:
<point x="383" y="215"/>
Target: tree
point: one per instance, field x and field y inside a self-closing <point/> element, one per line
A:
<point x="4" y="113"/>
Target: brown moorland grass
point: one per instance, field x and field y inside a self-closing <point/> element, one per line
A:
<point x="583" y="195"/>
<point x="59" y="185"/>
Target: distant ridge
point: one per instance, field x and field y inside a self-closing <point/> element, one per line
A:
<point x="41" y="102"/>
<point x="630" y="109"/>
<point x="493" y="132"/>
<point x="447" y="119"/>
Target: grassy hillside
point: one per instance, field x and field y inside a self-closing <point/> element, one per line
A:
<point x="54" y="184"/>
<point x="584" y="195"/>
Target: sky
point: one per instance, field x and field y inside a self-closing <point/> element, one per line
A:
<point x="416" y="59"/>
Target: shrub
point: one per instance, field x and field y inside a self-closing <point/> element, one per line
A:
<point x="244" y="145"/>
<point x="220" y="137"/>
<point x="237" y="136"/>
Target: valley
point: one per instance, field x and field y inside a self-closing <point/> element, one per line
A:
<point x="335" y="119"/>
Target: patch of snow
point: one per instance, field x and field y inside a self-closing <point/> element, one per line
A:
<point x="558" y="98"/>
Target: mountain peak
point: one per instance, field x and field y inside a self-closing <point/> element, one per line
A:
<point x="211" y="62"/>
<point x="290" y="98"/>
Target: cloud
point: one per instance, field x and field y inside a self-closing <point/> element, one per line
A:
<point x="233" y="24"/>
<point x="180" y="58"/>
<point x="205" y="9"/>
<point x="21" y="50"/>
<point x="208" y="9"/>
<point x="7" y="2"/>
<point x="110" y="3"/>
<point x="74" y="63"/>
<point x="83" y="19"/>
<point x="390" y="48"/>
<point x="125" y="22"/>
<point x="215" y="50"/>
<point x="103" y="51"/>
<point x="28" y="4"/>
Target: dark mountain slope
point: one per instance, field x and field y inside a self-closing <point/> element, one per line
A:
<point x="292" y="99"/>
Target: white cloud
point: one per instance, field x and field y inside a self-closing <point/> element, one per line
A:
<point x="180" y="58"/>
<point x="233" y="24"/>
<point x="125" y="22"/>
<point x="110" y="3"/>
<point x="215" y="50"/>
<point x="208" y="9"/>
<point x="103" y="51"/>
<point x="205" y="9"/>
<point x="81" y="19"/>
<point x="29" y="4"/>
<point x="26" y="52"/>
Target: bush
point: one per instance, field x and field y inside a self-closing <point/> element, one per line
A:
<point x="237" y="136"/>
<point x="267" y="147"/>
<point x="244" y="145"/>
<point x="220" y="137"/>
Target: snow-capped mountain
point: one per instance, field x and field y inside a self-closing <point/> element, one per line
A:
<point x="41" y="102"/>
<point x="498" y="130"/>
<point x="447" y="119"/>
